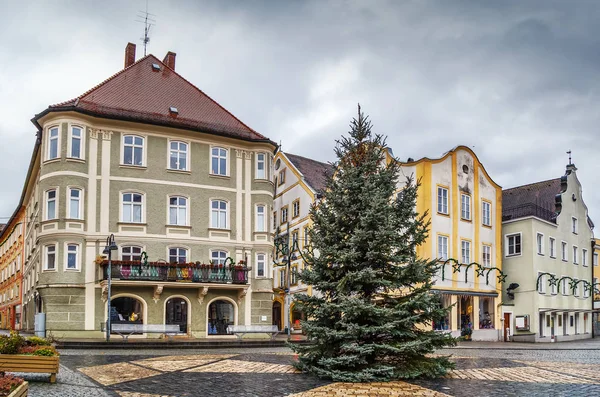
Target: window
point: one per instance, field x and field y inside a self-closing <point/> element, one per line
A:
<point x="586" y="292"/>
<point x="575" y="255"/>
<point x="274" y="220"/>
<point x="178" y="255"/>
<point x="260" y="218"/>
<point x="574" y="224"/>
<point x="305" y="236"/>
<point x="218" y="161"/>
<point x="553" y="286"/>
<point x="442" y="200"/>
<point x="284" y="214"/>
<point x="584" y="257"/>
<point x="294" y="275"/>
<point x="53" y="140"/>
<point x="540" y="243"/>
<point x="178" y="210"/>
<point x="465" y="206"/>
<point x="74" y="203"/>
<point x="282" y="177"/>
<point x="260" y="265"/>
<point x="486" y="209"/>
<point x="576" y="290"/>
<point x="595" y="260"/>
<point x="131" y="253"/>
<point x="559" y="317"/>
<point x="178" y="156"/>
<point x="465" y="251"/>
<point x="72" y="255"/>
<point x="443" y="248"/>
<point x="564" y="251"/>
<point x="50" y="257"/>
<point x="218" y="214"/>
<point x="552" y="247"/>
<point x="282" y="283"/>
<point x="487" y="255"/>
<point x="296" y="208"/>
<point x="513" y="244"/>
<point x="564" y="287"/>
<point x="218" y="257"/>
<point x="541" y="283"/>
<point x="75" y="146"/>
<point x="132" y="207"/>
<point x="261" y="172"/>
<point x="295" y="240"/>
<point x="51" y="204"/>
<point x="133" y="150"/>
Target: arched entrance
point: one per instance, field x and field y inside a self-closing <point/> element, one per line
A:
<point x="297" y="316"/>
<point x="277" y="314"/>
<point x="221" y="314"/>
<point x="126" y="310"/>
<point x="176" y="312"/>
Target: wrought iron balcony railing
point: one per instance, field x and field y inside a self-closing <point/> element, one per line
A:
<point x="183" y="272"/>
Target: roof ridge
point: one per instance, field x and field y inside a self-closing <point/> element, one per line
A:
<point x="103" y="82"/>
<point x="530" y="184"/>
<point x="307" y="158"/>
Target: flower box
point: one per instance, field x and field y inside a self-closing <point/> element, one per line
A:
<point x="24" y="363"/>
<point x="20" y="391"/>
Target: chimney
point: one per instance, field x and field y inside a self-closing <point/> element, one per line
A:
<point x="129" y="55"/>
<point x="169" y="60"/>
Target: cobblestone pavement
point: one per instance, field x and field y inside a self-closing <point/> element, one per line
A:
<point x="270" y="372"/>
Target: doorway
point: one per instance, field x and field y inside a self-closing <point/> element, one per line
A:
<point x="506" y="327"/>
<point x="177" y="313"/>
<point x="277" y="314"/>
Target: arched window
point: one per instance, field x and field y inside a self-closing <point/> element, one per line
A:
<point x="131" y="253"/>
<point x="126" y="310"/>
<point x="133" y="150"/>
<point x="218" y="257"/>
<point x="178" y="210"/>
<point x="132" y="210"/>
<point x="218" y="209"/>
<point x="176" y="312"/>
<point x="178" y="156"/>
<point x="178" y="255"/>
<point x="221" y="315"/>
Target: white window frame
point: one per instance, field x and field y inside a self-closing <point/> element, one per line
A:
<point x="465" y="207"/>
<point x="564" y="251"/>
<point x="539" y="243"/>
<point x="574" y="225"/>
<point x="133" y="145"/>
<point x="484" y="248"/>
<point x="80" y="202"/>
<point x="130" y="254"/>
<point x="575" y="255"/>
<point x="81" y="142"/>
<point x="285" y="218"/>
<point x="56" y="202"/>
<point x="178" y="207"/>
<point x="595" y="259"/>
<point x="576" y="291"/>
<point x="77" y="256"/>
<point x="219" y="156"/>
<point x="258" y="216"/>
<point x="265" y="174"/>
<point x="219" y="212"/>
<point x="552" y="247"/>
<point x="584" y="257"/>
<point x="50" y="138"/>
<point x="46" y="253"/>
<point x="564" y="286"/>
<point x="295" y="214"/>
<point x="465" y="247"/>
<point x="541" y="287"/>
<point x="442" y="247"/>
<point x="485" y="204"/>
<point x="219" y="259"/>
<point x="443" y="204"/>
<point x="553" y="287"/>
<point x="142" y="211"/>
<point x="177" y="255"/>
<point x="507" y="244"/>
<point x="264" y="265"/>
<point x="178" y="151"/>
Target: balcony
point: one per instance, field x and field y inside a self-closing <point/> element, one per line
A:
<point x="176" y="272"/>
<point x="522" y="211"/>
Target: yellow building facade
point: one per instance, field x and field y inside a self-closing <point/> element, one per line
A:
<point x="464" y="206"/>
<point x="11" y="271"/>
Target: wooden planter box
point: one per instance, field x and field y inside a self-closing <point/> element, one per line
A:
<point x="20" y="391"/>
<point x="38" y="364"/>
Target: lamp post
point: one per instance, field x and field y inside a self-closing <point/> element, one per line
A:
<point x="110" y="246"/>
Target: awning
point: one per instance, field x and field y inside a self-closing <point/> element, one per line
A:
<point x="466" y="293"/>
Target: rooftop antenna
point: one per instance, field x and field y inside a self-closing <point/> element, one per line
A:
<point x="569" y="153"/>
<point x="148" y="20"/>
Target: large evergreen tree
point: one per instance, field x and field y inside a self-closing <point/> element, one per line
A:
<point x="369" y="319"/>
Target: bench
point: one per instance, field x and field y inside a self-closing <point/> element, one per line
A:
<point x="241" y="330"/>
<point x="126" y="330"/>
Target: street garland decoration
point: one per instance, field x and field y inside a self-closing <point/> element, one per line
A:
<point x="555" y="281"/>
<point x="480" y="270"/>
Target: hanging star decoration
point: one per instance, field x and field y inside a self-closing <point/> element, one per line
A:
<point x="480" y="271"/>
<point x="456" y="266"/>
<point x="501" y="278"/>
<point x="553" y="282"/>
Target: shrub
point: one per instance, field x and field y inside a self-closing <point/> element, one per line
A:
<point x="8" y="383"/>
<point x="10" y="344"/>
<point x="47" y="351"/>
<point x="37" y="341"/>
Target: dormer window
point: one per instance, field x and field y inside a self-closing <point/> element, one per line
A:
<point x="156" y="67"/>
<point x="173" y="110"/>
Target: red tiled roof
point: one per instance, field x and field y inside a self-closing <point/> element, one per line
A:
<point x="140" y="94"/>
<point x="315" y="173"/>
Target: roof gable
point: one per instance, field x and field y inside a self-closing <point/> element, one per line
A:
<point x="139" y="93"/>
<point x="315" y="172"/>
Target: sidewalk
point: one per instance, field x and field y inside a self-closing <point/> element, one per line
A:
<point x="586" y="344"/>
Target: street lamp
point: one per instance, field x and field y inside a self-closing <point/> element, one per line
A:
<point x="110" y="246"/>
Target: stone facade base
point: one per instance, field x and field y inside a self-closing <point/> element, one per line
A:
<point x="563" y="338"/>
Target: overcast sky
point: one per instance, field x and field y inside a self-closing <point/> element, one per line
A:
<point x="517" y="81"/>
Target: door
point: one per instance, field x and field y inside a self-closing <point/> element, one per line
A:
<point x="177" y="313"/>
<point x="277" y="314"/>
<point x="506" y="326"/>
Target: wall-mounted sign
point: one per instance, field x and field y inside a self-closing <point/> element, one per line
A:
<point x="522" y="322"/>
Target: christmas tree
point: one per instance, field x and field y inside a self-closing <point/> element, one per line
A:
<point x="371" y="317"/>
